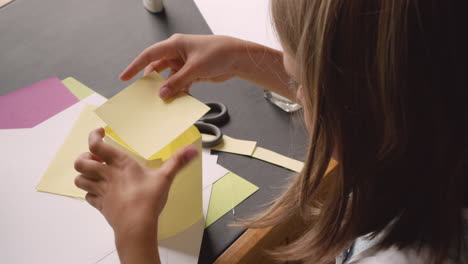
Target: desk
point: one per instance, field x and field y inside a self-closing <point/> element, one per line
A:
<point x="94" y="41"/>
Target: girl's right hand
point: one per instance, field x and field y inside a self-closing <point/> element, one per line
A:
<point x="191" y="59"/>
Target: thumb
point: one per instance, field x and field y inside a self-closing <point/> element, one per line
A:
<point x="177" y="162"/>
<point x="179" y="80"/>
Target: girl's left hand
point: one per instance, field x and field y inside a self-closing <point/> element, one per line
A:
<point x="129" y="195"/>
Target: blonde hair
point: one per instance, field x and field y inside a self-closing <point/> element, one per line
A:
<point x="382" y="86"/>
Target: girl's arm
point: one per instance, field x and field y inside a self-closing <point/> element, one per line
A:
<point x="139" y="246"/>
<point x="194" y="58"/>
<point x="130" y="196"/>
<point x="263" y="66"/>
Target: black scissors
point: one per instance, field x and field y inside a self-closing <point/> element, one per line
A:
<point x="210" y="122"/>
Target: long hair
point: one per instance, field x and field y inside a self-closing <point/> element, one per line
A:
<point x="384" y="88"/>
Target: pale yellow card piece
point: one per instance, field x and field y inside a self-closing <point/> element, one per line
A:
<point x="60" y="175"/>
<point x="226" y="193"/>
<point x="78" y="89"/>
<point x="277" y="159"/>
<point x="236" y="146"/>
<point x="144" y="121"/>
<point x="184" y="204"/>
<point x="249" y="148"/>
<point x="153" y="164"/>
<point x="5" y="2"/>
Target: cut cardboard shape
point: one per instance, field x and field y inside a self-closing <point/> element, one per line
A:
<point x="277" y="159"/>
<point x="32" y="105"/>
<point x="146" y="122"/>
<point x="227" y="192"/>
<point x="59" y="176"/>
<point x="233" y="145"/>
<point x="151" y="130"/>
<point x="78" y="89"/>
<point x="184" y="202"/>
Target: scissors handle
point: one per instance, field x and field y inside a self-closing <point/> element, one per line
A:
<point x="212" y="130"/>
<point x="218" y="114"/>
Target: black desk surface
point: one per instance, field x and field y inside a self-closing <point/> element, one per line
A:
<point x="93" y="41"/>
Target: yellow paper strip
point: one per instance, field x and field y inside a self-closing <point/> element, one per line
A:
<point x="146" y="122"/>
<point x="249" y="148"/>
<point x="60" y="175"/>
<point x="78" y="89"/>
<point x="277" y="159"/>
<point x="236" y="146"/>
<point x="227" y="192"/>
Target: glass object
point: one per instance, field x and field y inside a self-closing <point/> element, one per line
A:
<point x="282" y="102"/>
<point x="154" y="6"/>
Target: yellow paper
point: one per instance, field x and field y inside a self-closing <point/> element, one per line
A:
<point x="78" y="89"/>
<point x="184" y="203"/>
<point x="116" y="143"/>
<point x="60" y="175"/>
<point x="226" y="193"/>
<point x="277" y="159"/>
<point x="4" y="2"/>
<point x="146" y="122"/>
<point x="249" y="148"/>
<point x="232" y="145"/>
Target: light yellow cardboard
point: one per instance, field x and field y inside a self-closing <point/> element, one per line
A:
<point x="249" y="148"/>
<point x="117" y="143"/>
<point x="5" y="2"/>
<point x="76" y="88"/>
<point x="277" y="159"/>
<point x="227" y="192"/>
<point x="146" y="122"/>
<point x="60" y="175"/>
<point x="232" y="145"/>
<point x="184" y="203"/>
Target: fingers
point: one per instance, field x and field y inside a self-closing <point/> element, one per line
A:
<point x="161" y="65"/>
<point x="186" y="90"/>
<point x="163" y="49"/>
<point x="177" y="162"/>
<point x="88" y="165"/>
<point x="178" y="81"/>
<point x="94" y="201"/>
<point x="149" y="68"/>
<point x="87" y="185"/>
<point x="101" y="150"/>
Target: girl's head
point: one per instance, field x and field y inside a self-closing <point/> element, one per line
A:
<point x="382" y="86"/>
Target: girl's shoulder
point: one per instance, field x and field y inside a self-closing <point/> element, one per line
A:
<point x="364" y="251"/>
<point x="391" y="256"/>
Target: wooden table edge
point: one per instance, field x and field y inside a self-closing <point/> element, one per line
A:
<point x="250" y="247"/>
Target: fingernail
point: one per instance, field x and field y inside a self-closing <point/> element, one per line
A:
<point x="122" y="77"/>
<point x="164" y="92"/>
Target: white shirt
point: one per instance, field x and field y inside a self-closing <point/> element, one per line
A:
<point x="365" y="252"/>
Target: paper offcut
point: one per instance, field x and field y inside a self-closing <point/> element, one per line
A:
<point x="226" y="193"/>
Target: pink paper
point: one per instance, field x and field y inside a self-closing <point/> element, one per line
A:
<point x="29" y="106"/>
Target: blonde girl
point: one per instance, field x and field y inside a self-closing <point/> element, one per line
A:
<point x="383" y="87"/>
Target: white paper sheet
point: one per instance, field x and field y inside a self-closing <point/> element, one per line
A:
<point x="244" y="19"/>
<point x="42" y="228"/>
<point x="206" y="199"/>
<point x="181" y="248"/>
<point x="211" y="170"/>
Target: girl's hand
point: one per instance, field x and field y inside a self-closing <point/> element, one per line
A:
<point x="130" y="196"/>
<point x="191" y="59"/>
<point x="195" y="58"/>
